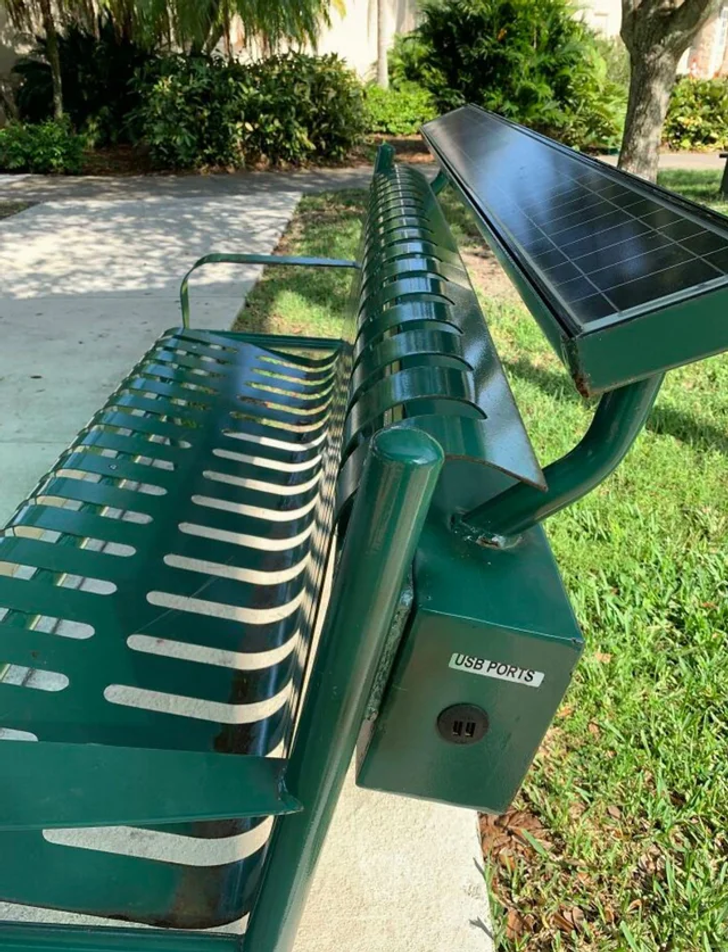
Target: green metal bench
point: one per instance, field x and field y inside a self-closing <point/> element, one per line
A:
<point x="163" y="586"/>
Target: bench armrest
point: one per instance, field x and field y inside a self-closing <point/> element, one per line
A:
<point x="252" y="258"/>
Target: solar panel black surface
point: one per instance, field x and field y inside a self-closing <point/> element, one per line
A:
<point x="600" y="246"/>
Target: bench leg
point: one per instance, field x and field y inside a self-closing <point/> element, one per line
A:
<point x="392" y="501"/>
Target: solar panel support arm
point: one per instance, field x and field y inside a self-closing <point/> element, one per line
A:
<point x="620" y="416"/>
<point x="439" y="182"/>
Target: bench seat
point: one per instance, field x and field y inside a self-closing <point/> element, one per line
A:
<point x="159" y="590"/>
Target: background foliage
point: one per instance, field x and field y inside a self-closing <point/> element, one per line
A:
<point x="398" y="111"/>
<point x="97" y="66"/>
<point x="44" y="147"/>
<point x="529" y="60"/>
<point x="198" y="111"/>
<point x="698" y="114"/>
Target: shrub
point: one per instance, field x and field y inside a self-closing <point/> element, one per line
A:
<point x="697" y="117"/>
<point x="96" y="73"/>
<point x="304" y="108"/>
<point x="201" y="111"/>
<point x="46" y="147"/>
<point x="192" y="112"/>
<point x="398" y="111"/>
<point x="529" y="60"/>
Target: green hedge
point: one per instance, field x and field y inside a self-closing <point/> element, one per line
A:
<point x="43" y="147"/>
<point x="698" y="115"/>
<point x="398" y="112"/>
<point x="200" y="111"/>
<point x="530" y="60"/>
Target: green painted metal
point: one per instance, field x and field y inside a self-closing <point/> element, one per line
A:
<point x="619" y="418"/>
<point x="162" y="588"/>
<point x="111" y="786"/>
<point x="167" y="575"/>
<point x="685" y="331"/>
<point x="384" y="160"/>
<point x="439" y="182"/>
<point x="251" y="258"/>
<point x="504" y="608"/>
<point x="397" y="484"/>
<point x="38" y="937"/>
<point x="422" y="354"/>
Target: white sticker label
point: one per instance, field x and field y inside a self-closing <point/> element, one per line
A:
<point x="496" y="669"/>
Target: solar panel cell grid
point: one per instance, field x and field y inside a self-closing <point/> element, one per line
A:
<point x="599" y="247"/>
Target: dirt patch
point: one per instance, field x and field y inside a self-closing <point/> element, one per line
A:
<point x="409" y="149"/>
<point x="117" y="160"/>
<point x="12" y="208"/>
<point x="487" y="274"/>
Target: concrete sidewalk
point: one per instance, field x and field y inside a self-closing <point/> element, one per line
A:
<point x="689" y="161"/>
<point x="254" y="186"/>
<point x="89" y="279"/>
<point x="87" y="285"/>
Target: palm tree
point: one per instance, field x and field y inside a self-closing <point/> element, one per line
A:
<point x="185" y="24"/>
<point x="200" y="24"/>
<point x="382" y="69"/>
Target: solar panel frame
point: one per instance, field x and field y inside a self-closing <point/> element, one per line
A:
<point x="550" y="284"/>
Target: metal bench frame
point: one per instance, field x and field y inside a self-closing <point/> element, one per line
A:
<point x="401" y="481"/>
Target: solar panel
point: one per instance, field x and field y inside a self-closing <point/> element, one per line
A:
<point x="601" y="247"/>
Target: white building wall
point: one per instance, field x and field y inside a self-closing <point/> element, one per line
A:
<point x="354" y="36"/>
<point x="604" y="15"/>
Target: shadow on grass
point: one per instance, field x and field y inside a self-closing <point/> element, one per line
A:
<point x="664" y="421"/>
<point x="305" y="300"/>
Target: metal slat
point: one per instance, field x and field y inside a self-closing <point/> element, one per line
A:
<point x="201" y="646"/>
<point x="127" y="786"/>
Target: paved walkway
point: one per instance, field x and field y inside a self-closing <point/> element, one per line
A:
<point x="89" y="279"/>
<point x="87" y="285"/>
<point x="252" y="185"/>
<point x="690" y="161"/>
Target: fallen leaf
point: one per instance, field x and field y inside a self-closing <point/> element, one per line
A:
<point x="593" y="729"/>
<point x="507" y="859"/>
<point x="614" y="811"/>
<point x="602" y="657"/>
<point x="569" y="920"/>
<point x="515" y="926"/>
<point x="495" y="844"/>
<point x="561" y="922"/>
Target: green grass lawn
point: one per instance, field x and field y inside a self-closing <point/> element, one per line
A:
<point x="619" y="838"/>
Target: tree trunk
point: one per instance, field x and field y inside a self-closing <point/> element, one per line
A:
<point x="382" y="70"/>
<point x="54" y="58"/>
<point x="651" y="81"/>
